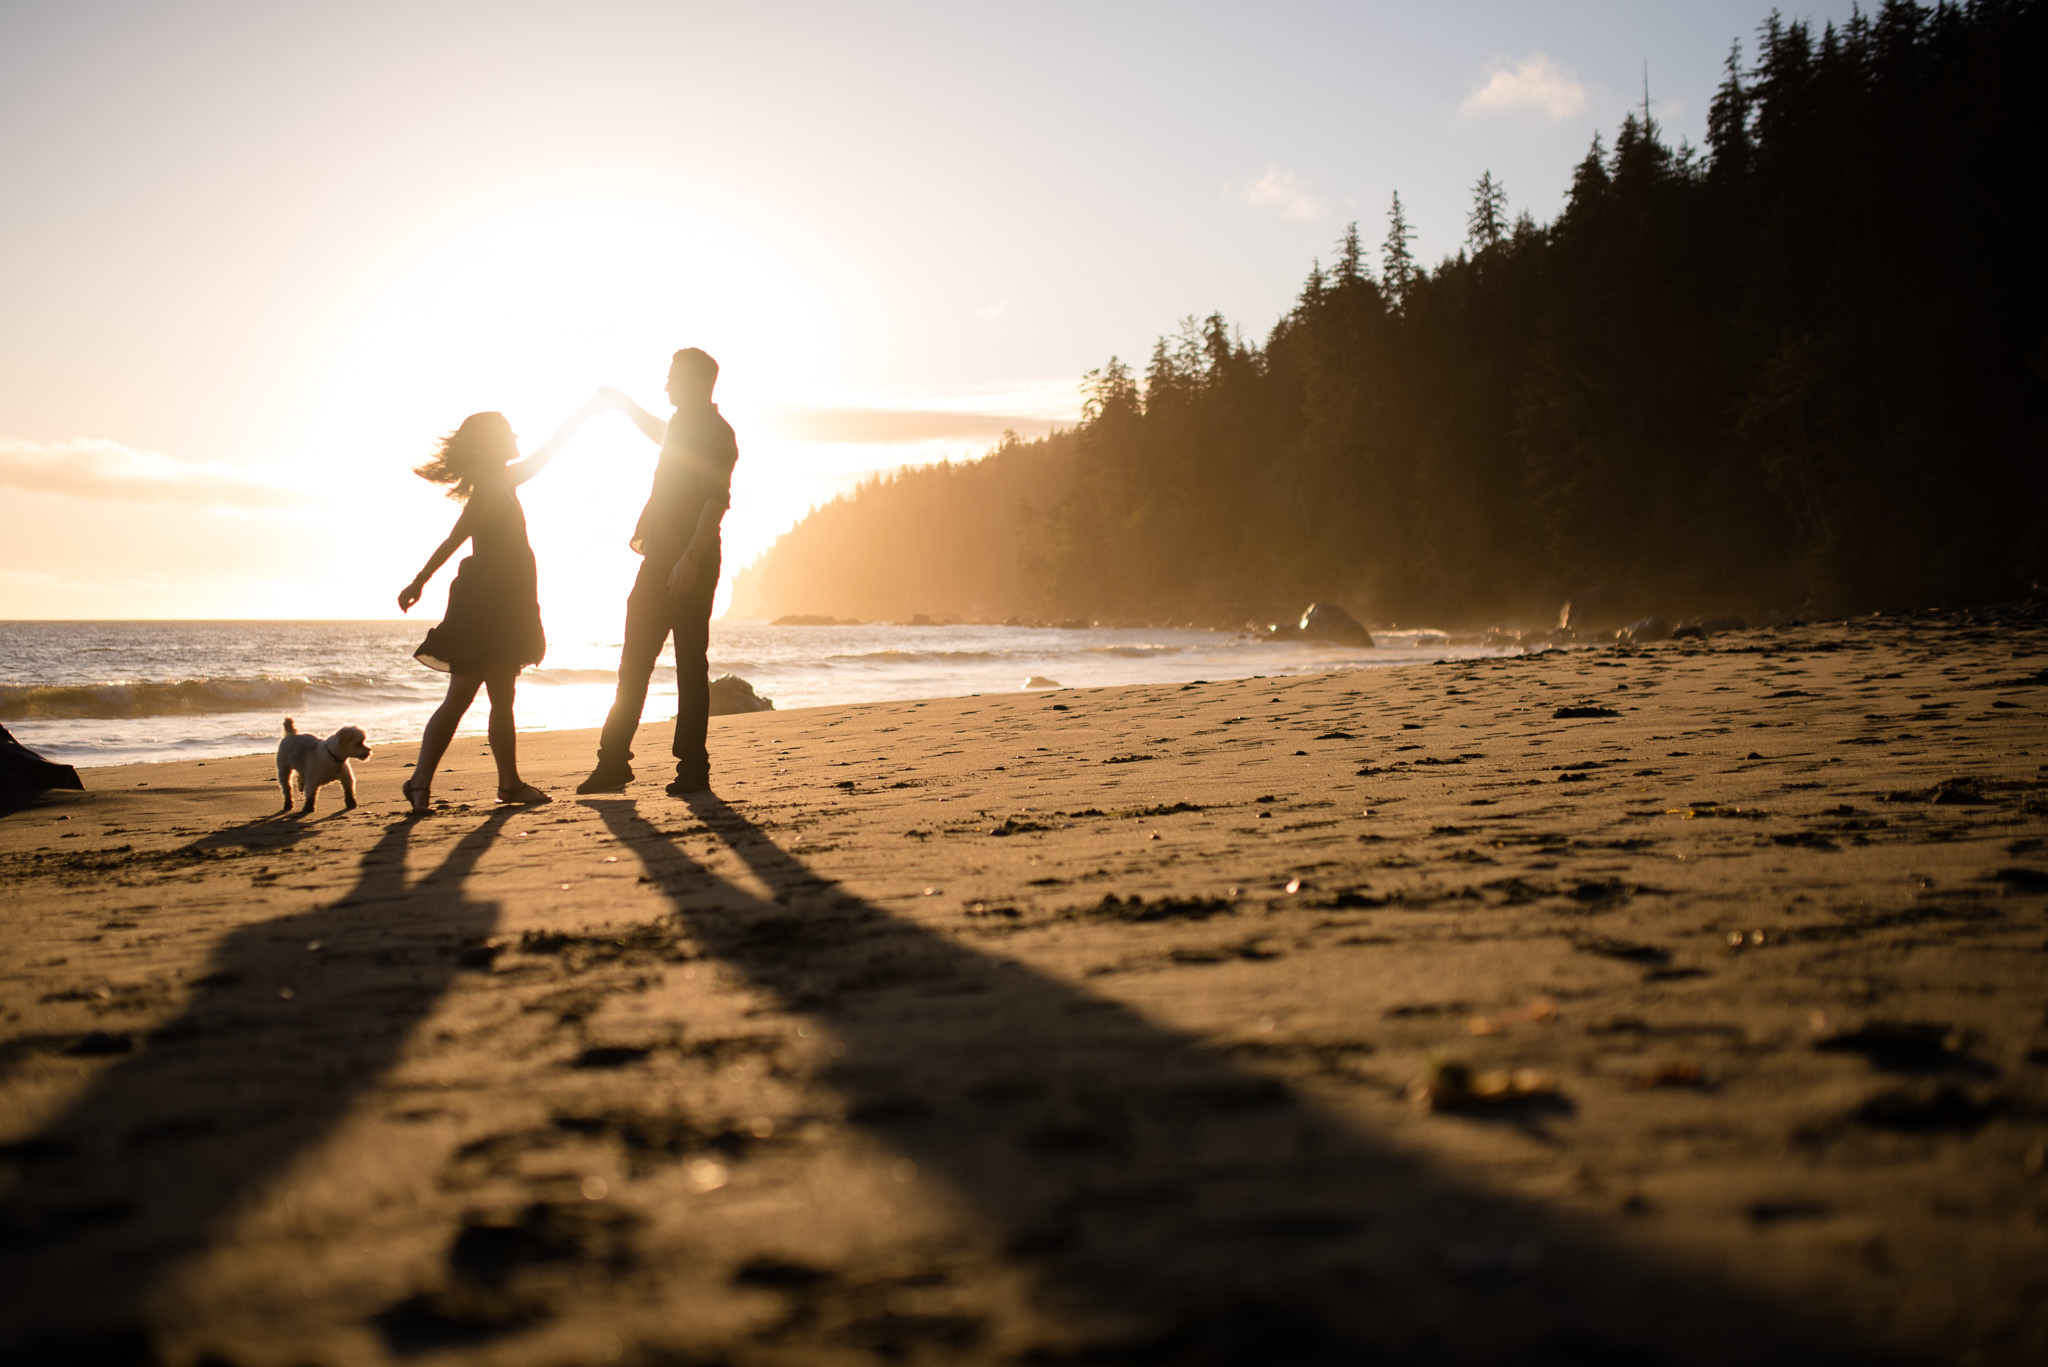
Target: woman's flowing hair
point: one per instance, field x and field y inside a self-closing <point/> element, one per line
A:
<point x="465" y="452"/>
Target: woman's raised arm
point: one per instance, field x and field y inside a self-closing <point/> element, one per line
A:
<point x="522" y="471"/>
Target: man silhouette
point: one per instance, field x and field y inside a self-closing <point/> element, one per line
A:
<point x="677" y="536"/>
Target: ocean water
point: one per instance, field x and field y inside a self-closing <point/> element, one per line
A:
<point x="93" y="693"/>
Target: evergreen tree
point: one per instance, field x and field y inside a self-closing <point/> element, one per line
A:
<point x="1397" y="262"/>
<point x="1487" y="225"/>
<point x="1728" y="141"/>
<point x="1350" y="256"/>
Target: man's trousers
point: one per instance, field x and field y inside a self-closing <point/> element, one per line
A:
<point x="652" y="615"/>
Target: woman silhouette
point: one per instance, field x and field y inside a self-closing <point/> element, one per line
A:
<point x="492" y="628"/>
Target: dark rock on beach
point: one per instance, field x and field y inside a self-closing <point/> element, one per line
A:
<point x="23" y="771"/>
<point x="731" y="694"/>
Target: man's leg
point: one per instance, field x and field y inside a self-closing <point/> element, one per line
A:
<point x="693" y="685"/>
<point x="648" y="610"/>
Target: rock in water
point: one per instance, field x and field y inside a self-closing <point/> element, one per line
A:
<point x="1328" y="622"/>
<point x="1592" y="609"/>
<point x="1645" y="631"/>
<point x="22" y="770"/>
<point x="731" y="694"/>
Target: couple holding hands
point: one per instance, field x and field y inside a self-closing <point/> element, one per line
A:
<point x="492" y="627"/>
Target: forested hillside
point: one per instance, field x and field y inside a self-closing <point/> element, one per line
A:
<point x="944" y="540"/>
<point x="1804" y="367"/>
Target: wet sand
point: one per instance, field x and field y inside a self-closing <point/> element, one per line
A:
<point x="1682" y="1004"/>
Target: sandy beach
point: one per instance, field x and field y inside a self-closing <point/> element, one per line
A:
<point x="1678" y="1004"/>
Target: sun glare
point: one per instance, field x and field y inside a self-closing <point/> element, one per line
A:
<point x="529" y="316"/>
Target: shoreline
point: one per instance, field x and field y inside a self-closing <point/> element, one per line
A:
<point x="195" y="693"/>
<point x="1682" y="1000"/>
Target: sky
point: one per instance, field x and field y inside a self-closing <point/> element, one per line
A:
<point x="256" y="258"/>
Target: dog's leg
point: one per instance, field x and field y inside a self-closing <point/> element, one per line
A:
<point x="312" y="795"/>
<point x="284" y="782"/>
<point x="348" y="785"/>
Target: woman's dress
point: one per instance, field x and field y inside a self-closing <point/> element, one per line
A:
<point x="493" y="618"/>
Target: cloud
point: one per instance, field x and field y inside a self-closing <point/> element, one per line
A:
<point x="858" y="426"/>
<point x="96" y="470"/>
<point x="1534" y="85"/>
<point x="1280" y="191"/>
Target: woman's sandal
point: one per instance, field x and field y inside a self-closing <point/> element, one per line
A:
<point x="417" y="795"/>
<point x="525" y="795"/>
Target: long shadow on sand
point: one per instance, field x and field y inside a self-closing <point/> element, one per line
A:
<point x="1173" y="1205"/>
<point x="293" y="1018"/>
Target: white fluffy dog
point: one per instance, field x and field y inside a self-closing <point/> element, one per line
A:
<point x="318" y="762"/>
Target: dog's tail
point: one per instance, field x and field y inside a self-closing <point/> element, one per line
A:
<point x="289" y="729"/>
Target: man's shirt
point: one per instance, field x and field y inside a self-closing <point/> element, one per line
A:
<point x="695" y="470"/>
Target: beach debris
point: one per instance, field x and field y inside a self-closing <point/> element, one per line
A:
<point x="1168" y="908"/>
<point x="1948" y="1110"/>
<point x="1905" y="1046"/>
<point x="1040" y="681"/>
<point x="1450" y="1085"/>
<point x="1948" y="792"/>
<point x="100" y="1044"/>
<point x="1583" y="710"/>
<point x="1607" y="947"/>
<point x="1678" y="1073"/>
<point x="1017" y="825"/>
<point x="1705" y="808"/>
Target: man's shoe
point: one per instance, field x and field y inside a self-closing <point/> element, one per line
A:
<point x="688" y="785"/>
<point x="606" y="778"/>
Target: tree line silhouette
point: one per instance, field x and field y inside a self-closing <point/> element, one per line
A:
<point x="1802" y="367"/>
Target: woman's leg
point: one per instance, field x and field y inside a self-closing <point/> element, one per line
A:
<point x="501" y="683"/>
<point x="440" y="730"/>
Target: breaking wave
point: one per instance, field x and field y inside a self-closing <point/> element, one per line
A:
<point x="171" y="697"/>
<point x="569" y="676"/>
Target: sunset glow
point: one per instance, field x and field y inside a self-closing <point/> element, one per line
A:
<point x="291" y="251"/>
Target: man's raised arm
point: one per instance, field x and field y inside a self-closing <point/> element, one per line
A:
<point x="655" y="428"/>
